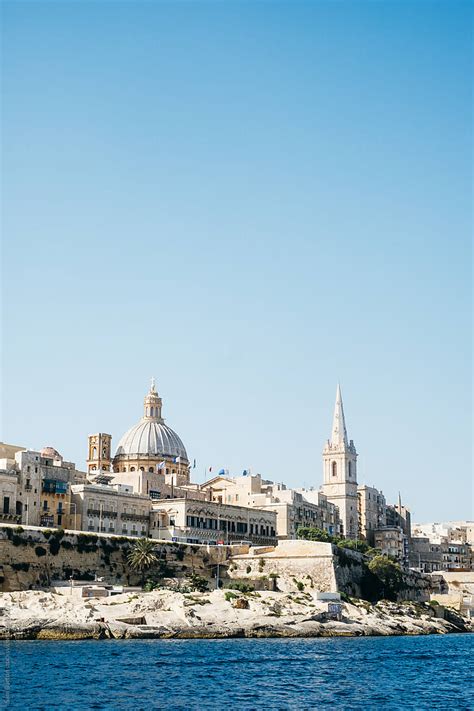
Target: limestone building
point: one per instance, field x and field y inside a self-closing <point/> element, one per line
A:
<point x="442" y="546"/>
<point x="10" y="500"/>
<point x="390" y="540"/>
<point x="294" y="508"/>
<point x="372" y="511"/>
<point x="340" y="472"/>
<point x="112" y="509"/>
<point x="399" y="515"/>
<point x="43" y="481"/>
<point x="193" y="521"/>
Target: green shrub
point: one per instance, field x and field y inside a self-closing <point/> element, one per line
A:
<point x="67" y="545"/>
<point x="241" y="586"/>
<point x="47" y="533"/>
<point x="40" y="551"/>
<point x="249" y="569"/>
<point x="389" y="576"/>
<point x="179" y="552"/>
<point x="300" y="585"/>
<point x="21" y="566"/>
<point x="19" y="541"/>
<point x="18" y="529"/>
<point x="54" y="545"/>
<point x="310" y="533"/>
<point x="198" y="583"/>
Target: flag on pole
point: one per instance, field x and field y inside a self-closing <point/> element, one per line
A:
<point x="161" y="465"/>
<point x="194" y="464"/>
<point x="177" y="460"/>
<point x="210" y="469"/>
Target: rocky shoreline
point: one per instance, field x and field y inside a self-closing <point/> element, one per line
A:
<point x="219" y="614"/>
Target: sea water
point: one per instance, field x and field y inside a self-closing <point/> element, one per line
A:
<point x="428" y="672"/>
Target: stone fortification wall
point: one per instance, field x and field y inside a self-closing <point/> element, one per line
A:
<point x="34" y="557"/>
<point x="293" y="565"/>
<point x="322" y="567"/>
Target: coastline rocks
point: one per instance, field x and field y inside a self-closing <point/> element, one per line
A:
<point x="217" y="614"/>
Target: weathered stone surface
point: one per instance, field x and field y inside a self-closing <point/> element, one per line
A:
<point x="31" y="558"/>
<point x="40" y="615"/>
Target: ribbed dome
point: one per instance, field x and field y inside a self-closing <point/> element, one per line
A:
<point x="151" y="438"/>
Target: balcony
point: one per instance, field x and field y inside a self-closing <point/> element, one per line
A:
<point x="47" y="521"/>
<point x="101" y="514"/>
<point x="10" y="517"/>
<point x="134" y="517"/>
<point x="54" y="486"/>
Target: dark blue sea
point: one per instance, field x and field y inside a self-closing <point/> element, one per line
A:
<point x="347" y="673"/>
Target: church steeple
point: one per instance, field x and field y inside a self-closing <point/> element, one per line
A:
<point x="152" y="404"/>
<point x="339" y="432"/>
<point x="340" y="471"/>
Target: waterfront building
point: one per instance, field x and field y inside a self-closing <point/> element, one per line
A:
<point x="372" y="511"/>
<point x="451" y="540"/>
<point x="398" y="515"/>
<point x="461" y="530"/>
<point x="43" y="481"/>
<point x="391" y="541"/>
<point x="114" y="509"/>
<point x="340" y="472"/>
<point x="9" y="505"/>
<point x="10" y="500"/>
<point x="425" y="555"/>
<point x="294" y="508"/>
<point x="194" y="521"/>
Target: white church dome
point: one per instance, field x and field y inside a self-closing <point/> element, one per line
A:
<point x="151" y="437"/>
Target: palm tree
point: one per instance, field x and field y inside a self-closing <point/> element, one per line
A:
<point x="142" y="556"/>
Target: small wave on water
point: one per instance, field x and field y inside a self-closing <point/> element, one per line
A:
<point x="351" y="673"/>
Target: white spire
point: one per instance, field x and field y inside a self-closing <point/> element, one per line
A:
<point x="339" y="432"/>
<point x="152" y="388"/>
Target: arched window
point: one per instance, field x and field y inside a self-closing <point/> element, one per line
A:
<point x="334" y="468"/>
<point x="150" y="469"/>
<point x="132" y="469"/>
<point x="94" y="452"/>
<point x="349" y="472"/>
<point x="142" y="469"/>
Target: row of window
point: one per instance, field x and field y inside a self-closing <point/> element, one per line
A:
<point x="106" y="506"/>
<point x="110" y="528"/>
<point x="151" y="470"/>
<point x="215" y="524"/>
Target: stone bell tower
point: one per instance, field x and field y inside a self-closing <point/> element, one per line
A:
<point x="340" y="471"/>
<point x="99" y="458"/>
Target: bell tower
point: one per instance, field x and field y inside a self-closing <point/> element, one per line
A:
<point x="99" y="458"/>
<point x="340" y="471"/>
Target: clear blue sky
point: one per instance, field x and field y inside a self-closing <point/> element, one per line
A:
<point x="249" y="201"/>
